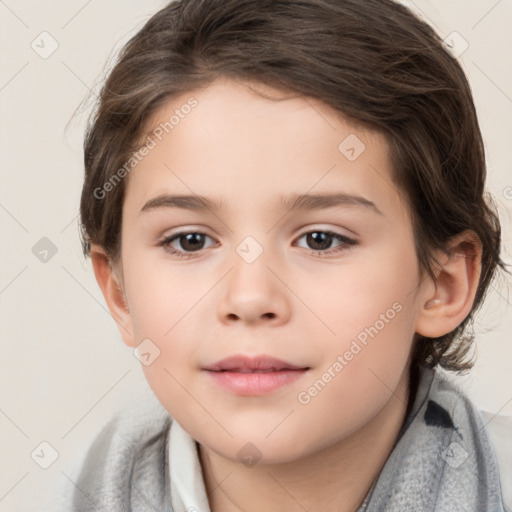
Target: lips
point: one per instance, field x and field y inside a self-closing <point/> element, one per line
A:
<point x="258" y="364"/>
<point x="254" y="376"/>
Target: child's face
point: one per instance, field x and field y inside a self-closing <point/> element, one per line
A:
<point x="259" y="285"/>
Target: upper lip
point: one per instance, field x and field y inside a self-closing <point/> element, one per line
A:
<point x="244" y="363"/>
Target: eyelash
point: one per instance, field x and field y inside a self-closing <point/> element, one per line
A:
<point x="347" y="242"/>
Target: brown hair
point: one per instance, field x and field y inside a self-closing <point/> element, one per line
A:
<point x="373" y="61"/>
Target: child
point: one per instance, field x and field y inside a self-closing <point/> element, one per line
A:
<point x="291" y="373"/>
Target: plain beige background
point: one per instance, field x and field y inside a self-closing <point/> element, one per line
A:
<point x="64" y="368"/>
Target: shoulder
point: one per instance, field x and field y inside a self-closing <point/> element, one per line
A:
<point x="491" y="430"/>
<point x="500" y="432"/>
<point x="125" y="467"/>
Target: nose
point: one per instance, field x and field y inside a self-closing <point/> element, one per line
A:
<point x="254" y="293"/>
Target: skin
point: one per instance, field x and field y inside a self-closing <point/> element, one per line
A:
<point x="294" y="302"/>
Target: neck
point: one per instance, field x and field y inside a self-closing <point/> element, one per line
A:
<point x="335" y="479"/>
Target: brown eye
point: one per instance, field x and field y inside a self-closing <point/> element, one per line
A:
<point x="321" y="241"/>
<point x="191" y="241"/>
<point x="185" y="243"/>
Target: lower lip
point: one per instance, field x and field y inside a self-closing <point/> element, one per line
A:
<point x="251" y="384"/>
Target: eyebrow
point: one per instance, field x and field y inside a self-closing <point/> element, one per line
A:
<point x="292" y="203"/>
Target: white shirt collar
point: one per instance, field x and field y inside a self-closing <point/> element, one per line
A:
<point x="188" y="493"/>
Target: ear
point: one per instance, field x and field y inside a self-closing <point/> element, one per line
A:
<point x="455" y="287"/>
<point x="113" y="293"/>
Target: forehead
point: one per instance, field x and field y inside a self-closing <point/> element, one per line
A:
<point x="241" y="140"/>
<point x="231" y="100"/>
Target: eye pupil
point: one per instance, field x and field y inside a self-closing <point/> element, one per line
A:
<point x="193" y="241"/>
<point x="317" y="240"/>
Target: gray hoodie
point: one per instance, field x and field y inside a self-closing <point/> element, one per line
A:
<point x="443" y="461"/>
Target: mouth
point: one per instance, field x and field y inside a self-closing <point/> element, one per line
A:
<point x="258" y="364"/>
<point x="270" y="370"/>
<point x="260" y="375"/>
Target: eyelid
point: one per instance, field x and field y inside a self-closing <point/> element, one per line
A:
<point x="343" y="231"/>
<point x="338" y="231"/>
<point x="184" y="230"/>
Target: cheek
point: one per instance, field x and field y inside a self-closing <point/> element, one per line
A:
<point x="358" y="376"/>
<point x="161" y="299"/>
<point x="372" y="316"/>
<point x="366" y="292"/>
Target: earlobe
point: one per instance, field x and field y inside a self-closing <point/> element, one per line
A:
<point x="114" y="295"/>
<point x="456" y="284"/>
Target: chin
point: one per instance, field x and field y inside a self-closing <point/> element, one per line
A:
<point x="251" y="447"/>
